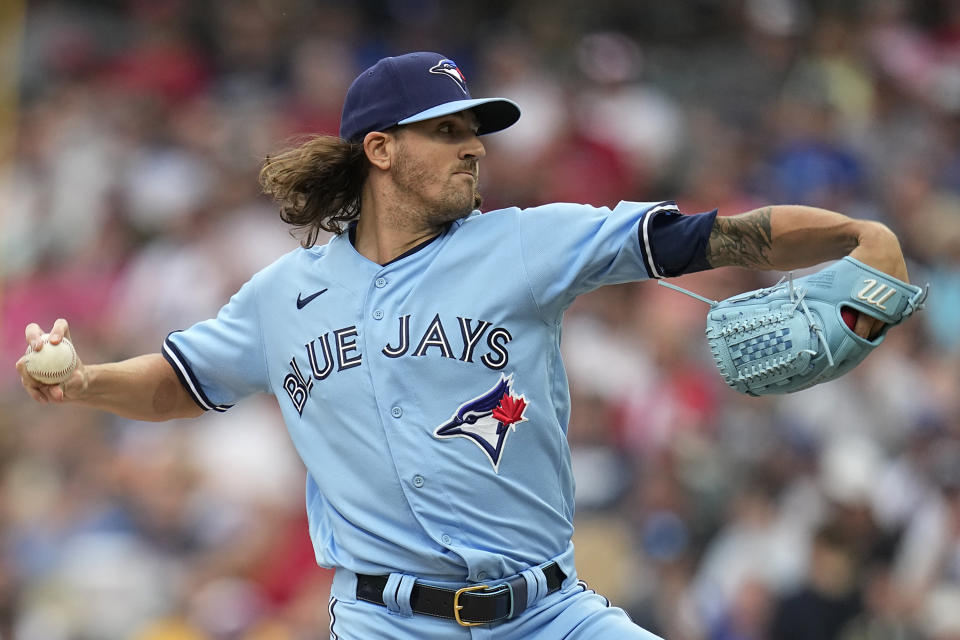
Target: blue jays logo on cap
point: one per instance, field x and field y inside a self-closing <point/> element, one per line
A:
<point x="447" y="67"/>
<point x="487" y="419"/>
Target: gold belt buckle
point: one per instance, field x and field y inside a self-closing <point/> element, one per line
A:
<point x="457" y="606"/>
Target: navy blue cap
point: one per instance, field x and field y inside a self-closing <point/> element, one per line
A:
<point x="414" y="87"/>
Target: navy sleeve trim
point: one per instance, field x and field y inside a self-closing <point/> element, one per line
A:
<point x="188" y="379"/>
<point x="644" y="233"/>
<point x="677" y="243"/>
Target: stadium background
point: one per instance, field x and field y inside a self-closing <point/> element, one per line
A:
<point x="131" y="132"/>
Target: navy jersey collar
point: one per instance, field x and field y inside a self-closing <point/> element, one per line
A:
<point x="352" y="235"/>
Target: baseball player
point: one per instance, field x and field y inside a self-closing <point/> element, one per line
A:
<point x="416" y="357"/>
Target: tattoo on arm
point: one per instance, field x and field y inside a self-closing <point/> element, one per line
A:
<point x="741" y="241"/>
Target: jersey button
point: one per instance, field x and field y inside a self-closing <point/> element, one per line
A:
<point x="445" y="539"/>
<point x="396" y="412"/>
<point x="482" y="575"/>
<point x="380" y="282"/>
<point x="418" y="481"/>
<point x="378" y="314"/>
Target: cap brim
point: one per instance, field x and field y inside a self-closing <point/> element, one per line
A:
<point x="493" y="114"/>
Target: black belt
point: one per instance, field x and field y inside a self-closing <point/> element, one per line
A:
<point x="469" y="606"/>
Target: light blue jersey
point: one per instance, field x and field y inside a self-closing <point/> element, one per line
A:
<point x="427" y="397"/>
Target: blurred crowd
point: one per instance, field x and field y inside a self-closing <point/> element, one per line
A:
<point x="130" y="206"/>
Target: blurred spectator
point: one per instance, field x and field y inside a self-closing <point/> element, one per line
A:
<point x="828" y="600"/>
<point x="747" y="617"/>
<point x="929" y="555"/>
<point x="883" y="616"/>
<point x="758" y="550"/>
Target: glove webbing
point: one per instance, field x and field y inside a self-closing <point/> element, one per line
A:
<point x="795" y="297"/>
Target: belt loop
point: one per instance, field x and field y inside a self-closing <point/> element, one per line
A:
<point x="536" y="584"/>
<point x="344" y="585"/>
<point x="518" y="595"/>
<point x="396" y="594"/>
<point x="403" y="595"/>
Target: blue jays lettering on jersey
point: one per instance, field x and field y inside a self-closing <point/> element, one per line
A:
<point x="427" y="397"/>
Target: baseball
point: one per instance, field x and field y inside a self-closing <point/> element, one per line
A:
<point x="53" y="363"/>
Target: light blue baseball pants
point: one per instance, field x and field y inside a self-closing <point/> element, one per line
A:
<point x="575" y="612"/>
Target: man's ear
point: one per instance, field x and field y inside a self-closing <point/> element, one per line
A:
<point x="379" y="147"/>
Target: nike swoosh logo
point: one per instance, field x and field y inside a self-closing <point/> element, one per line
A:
<point x="302" y="302"/>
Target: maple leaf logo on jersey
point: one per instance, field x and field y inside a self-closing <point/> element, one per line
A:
<point x="488" y="419"/>
<point x="449" y="68"/>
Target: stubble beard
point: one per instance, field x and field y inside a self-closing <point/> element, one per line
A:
<point x="453" y="203"/>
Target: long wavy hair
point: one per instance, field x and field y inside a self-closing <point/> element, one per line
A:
<point x="318" y="185"/>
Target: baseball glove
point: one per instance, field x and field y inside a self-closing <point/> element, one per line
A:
<point x="792" y="336"/>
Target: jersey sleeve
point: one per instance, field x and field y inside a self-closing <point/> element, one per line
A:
<point x="569" y="249"/>
<point x="221" y="360"/>
<point x="678" y="242"/>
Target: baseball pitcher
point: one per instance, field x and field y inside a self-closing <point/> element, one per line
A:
<point x="416" y="356"/>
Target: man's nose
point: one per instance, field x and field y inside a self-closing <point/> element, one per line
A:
<point x="473" y="148"/>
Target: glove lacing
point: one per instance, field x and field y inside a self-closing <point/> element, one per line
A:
<point x="809" y="316"/>
<point x="796" y="297"/>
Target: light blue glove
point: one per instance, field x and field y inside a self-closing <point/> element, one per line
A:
<point x="792" y="335"/>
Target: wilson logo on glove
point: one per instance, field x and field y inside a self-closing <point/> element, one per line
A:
<point x="873" y="289"/>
